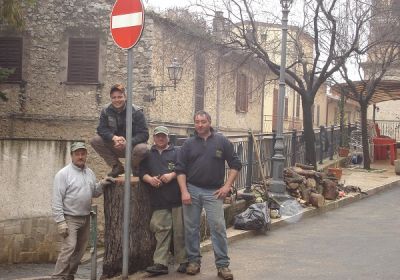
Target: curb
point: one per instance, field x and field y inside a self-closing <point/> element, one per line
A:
<point x="235" y="234"/>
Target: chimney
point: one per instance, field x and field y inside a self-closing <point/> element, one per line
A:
<point x="219" y="25"/>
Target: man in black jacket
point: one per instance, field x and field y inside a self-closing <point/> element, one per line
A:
<point x="110" y="142"/>
<point x="158" y="172"/>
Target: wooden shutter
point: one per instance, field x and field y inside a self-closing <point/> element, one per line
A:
<point x="83" y="60"/>
<point x="241" y="93"/>
<point x="11" y="57"/>
<point x="275" y="109"/>
<point x="199" y="82"/>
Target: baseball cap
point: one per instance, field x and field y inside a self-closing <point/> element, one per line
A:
<point x="118" y="87"/>
<point x="161" y="129"/>
<point x="77" y="145"/>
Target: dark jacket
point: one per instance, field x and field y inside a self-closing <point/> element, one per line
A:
<point x="113" y="123"/>
<point x="167" y="196"/>
<point x="203" y="161"/>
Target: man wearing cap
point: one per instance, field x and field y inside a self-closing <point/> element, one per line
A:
<point x="74" y="187"/>
<point x="158" y="172"/>
<point x="110" y="142"/>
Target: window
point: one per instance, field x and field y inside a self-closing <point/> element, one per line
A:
<point x="297" y="105"/>
<point x="200" y="81"/>
<point x="242" y="100"/>
<point x="83" y="60"/>
<point x="11" y="57"/>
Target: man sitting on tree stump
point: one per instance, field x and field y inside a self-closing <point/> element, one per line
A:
<point x="158" y="171"/>
<point x="110" y="143"/>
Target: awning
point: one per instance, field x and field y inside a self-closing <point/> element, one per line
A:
<point x="385" y="91"/>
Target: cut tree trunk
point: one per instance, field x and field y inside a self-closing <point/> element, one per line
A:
<point x="317" y="200"/>
<point x="141" y="240"/>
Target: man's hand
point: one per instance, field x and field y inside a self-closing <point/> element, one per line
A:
<point x="222" y="192"/>
<point x="168" y="177"/>
<point x="186" y="198"/>
<point x="119" y="142"/>
<point x="62" y="228"/>
<point x="107" y="181"/>
<point x="154" y="181"/>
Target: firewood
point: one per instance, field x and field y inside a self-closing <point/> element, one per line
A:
<point x="304" y="166"/>
<point x="317" y="200"/>
<point x="306" y="173"/>
<point x="311" y="183"/>
<point x="330" y="190"/>
<point x="293" y="186"/>
<point x="298" y="180"/>
<point x="305" y="193"/>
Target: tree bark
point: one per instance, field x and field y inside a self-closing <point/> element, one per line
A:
<point x="309" y="136"/>
<point x="364" y="136"/>
<point x="141" y="240"/>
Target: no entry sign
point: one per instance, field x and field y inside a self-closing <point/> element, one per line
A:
<point x="126" y="22"/>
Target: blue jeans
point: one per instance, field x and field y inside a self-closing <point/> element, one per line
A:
<point x="216" y="222"/>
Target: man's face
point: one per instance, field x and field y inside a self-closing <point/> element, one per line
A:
<point x="202" y="125"/>
<point x="118" y="99"/>
<point x="79" y="157"/>
<point x="161" y="140"/>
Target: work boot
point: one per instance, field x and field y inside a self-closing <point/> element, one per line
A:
<point x="193" y="268"/>
<point x="225" y="273"/>
<point x="157" y="269"/>
<point x="117" y="169"/>
<point x="182" y="267"/>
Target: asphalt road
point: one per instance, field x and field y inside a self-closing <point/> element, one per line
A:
<point x="359" y="241"/>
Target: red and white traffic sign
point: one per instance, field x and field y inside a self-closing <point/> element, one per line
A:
<point x="126" y="22"/>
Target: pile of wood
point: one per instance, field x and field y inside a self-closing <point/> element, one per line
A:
<point x="310" y="187"/>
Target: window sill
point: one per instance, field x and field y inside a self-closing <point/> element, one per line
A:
<point x="82" y="83"/>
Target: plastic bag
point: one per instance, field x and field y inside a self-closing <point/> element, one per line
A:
<point x="256" y="217"/>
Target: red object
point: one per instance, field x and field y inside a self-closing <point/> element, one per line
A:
<point x="381" y="146"/>
<point x="126" y="22"/>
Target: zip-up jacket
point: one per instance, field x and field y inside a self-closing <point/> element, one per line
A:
<point x="167" y="196"/>
<point x="113" y="123"/>
<point x="203" y="161"/>
<point x="73" y="191"/>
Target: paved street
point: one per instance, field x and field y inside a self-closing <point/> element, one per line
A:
<point x="359" y="241"/>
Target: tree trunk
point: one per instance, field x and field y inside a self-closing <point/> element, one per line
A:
<point x="309" y="136"/>
<point x="364" y="136"/>
<point x="141" y="240"/>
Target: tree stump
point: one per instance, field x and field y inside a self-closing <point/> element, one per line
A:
<point x="141" y="240"/>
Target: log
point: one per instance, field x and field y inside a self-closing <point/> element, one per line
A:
<point x="305" y="193"/>
<point x="317" y="200"/>
<point x="141" y="240"/>
<point x="330" y="190"/>
<point x="292" y="186"/>
<point x="311" y="183"/>
<point x="304" y="166"/>
<point x="306" y="173"/>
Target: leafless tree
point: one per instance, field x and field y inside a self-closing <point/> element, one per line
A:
<point x="324" y="34"/>
<point x="375" y="62"/>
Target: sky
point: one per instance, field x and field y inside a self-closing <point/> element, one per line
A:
<point x="163" y="4"/>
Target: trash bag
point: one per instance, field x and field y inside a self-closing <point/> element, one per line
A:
<point x="256" y="217"/>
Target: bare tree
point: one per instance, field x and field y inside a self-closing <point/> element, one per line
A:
<point x="326" y="35"/>
<point x="374" y="64"/>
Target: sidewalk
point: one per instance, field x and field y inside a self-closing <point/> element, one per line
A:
<point x="381" y="178"/>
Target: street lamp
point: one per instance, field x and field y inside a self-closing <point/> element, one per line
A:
<point x="174" y="75"/>
<point x="278" y="186"/>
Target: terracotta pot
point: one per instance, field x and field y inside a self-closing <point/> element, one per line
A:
<point x="343" y="152"/>
<point x="335" y="171"/>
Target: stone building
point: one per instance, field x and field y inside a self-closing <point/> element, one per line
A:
<point x="65" y="62"/>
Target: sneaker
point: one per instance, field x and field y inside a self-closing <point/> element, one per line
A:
<point x="157" y="269"/>
<point x="182" y="267"/>
<point x="193" y="268"/>
<point x="225" y="273"/>
<point x="117" y="169"/>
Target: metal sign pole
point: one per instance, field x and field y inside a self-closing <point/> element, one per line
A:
<point x="128" y="160"/>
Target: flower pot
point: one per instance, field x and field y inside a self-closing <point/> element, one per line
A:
<point x="335" y="171"/>
<point x="343" y="152"/>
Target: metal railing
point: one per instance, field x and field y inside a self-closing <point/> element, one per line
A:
<point x="327" y="141"/>
<point x="390" y="128"/>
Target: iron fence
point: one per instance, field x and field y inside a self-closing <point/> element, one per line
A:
<point x="327" y="141"/>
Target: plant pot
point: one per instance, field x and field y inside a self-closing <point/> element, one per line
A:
<point x="343" y="152"/>
<point x="335" y="171"/>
